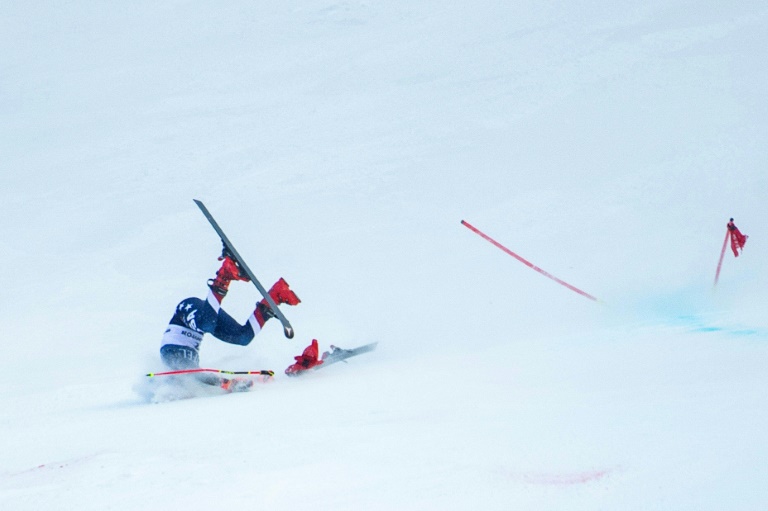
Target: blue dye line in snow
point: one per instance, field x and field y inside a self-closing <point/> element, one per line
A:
<point x="699" y="325"/>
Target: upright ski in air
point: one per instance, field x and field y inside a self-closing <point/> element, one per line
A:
<point x="287" y="328"/>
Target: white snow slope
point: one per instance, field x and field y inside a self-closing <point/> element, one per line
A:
<point x="340" y="144"/>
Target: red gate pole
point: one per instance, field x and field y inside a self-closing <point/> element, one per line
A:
<point x="527" y="263"/>
<point x="722" y="254"/>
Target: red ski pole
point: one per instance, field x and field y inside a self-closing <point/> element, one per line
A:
<point x="527" y="263"/>
<point x="263" y="372"/>
<point x="722" y="254"/>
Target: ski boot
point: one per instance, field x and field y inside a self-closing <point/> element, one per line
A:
<point x="228" y="272"/>
<point x="307" y="360"/>
<point x="280" y="293"/>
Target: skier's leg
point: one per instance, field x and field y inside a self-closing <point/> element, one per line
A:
<point x="202" y="315"/>
<point x="229" y="330"/>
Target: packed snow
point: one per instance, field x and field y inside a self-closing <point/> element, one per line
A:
<point x="340" y="144"/>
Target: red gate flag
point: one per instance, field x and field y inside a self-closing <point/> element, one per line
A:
<point x="738" y="240"/>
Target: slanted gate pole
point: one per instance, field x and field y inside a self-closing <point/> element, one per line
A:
<point x="722" y="255"/>
<point x="527" y="263"/>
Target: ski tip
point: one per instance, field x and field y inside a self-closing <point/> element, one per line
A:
<point x="288" y="331"/>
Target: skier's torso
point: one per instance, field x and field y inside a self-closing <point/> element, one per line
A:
<point x="181" y="336"/>
<point x="188" y="323"/>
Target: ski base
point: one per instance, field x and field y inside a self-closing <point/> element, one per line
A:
<point x="340" y="354"/>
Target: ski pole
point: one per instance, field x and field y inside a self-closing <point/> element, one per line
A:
<point x="722" y="254"/>
<point x="263" y="372"/>
<point x="527" y="263"/>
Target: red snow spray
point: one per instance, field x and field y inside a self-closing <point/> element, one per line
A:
<point x="527" y="263"/>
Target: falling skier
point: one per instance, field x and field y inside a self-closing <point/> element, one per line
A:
<point x="195" y="317"/>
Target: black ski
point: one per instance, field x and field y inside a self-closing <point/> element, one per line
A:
<point x="287" y="328"/>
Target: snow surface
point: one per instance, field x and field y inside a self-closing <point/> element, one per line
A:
<point x="340" y="144"/>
